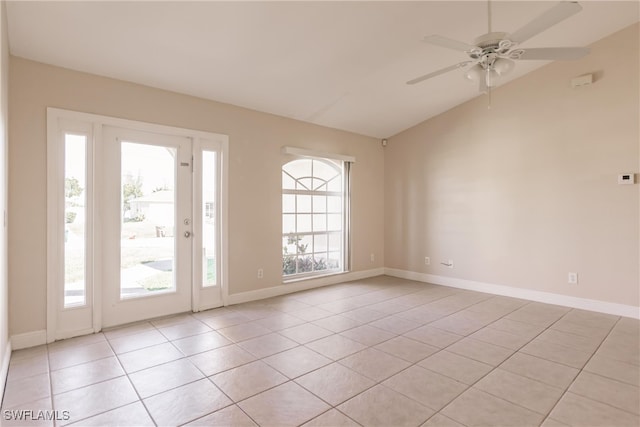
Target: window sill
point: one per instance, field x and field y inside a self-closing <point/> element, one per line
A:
<point x="311" y="277"/>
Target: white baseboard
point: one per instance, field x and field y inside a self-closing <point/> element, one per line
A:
<point x="302" y="285"/>
<point x="29" y="339"/>
<point x="35" y="338"/>
<point x="6" y="358"/>
<point x="545" y="297"/>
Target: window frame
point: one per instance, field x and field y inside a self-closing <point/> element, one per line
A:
<point x="342" y="165"/>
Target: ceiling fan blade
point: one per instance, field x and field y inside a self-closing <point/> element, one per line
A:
<point x="448" y="43"/>
<point x="555" y="53"/>
<point x="438" y="72"/>
<point x="548" y="19"/>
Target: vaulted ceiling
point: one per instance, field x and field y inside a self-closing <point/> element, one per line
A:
<point x="341" y="64"/>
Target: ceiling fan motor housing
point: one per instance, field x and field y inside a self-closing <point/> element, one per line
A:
<point x="490" y="40"/>
<point x="490" y="47"/>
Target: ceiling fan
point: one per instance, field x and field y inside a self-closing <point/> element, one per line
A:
<point x="493" y="54"/>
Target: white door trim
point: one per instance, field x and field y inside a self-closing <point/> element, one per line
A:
<point x="97" y="122"/>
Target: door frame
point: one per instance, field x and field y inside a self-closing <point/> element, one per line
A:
<point x="55" y="173"/>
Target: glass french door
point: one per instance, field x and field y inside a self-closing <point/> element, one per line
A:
<point x="148" y="225"/>
<point x="135" y="222"/>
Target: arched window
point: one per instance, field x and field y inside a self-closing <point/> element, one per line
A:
<point x="314" y="223"/>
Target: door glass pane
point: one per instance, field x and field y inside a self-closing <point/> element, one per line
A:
<point x="75" y="167"/>
<point x="148" y="205"/>
<point x="209" y="277"/>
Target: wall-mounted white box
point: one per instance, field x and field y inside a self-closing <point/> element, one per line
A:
<point x="584" y="80"/>
<point x="626" y="178"/>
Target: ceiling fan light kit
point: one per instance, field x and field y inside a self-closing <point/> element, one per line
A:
<point x="490" y="71"/>
<point x="503" y="66"/>
<point x="494" y="54"/>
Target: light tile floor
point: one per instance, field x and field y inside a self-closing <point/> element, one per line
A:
<point x="376" y="352"/>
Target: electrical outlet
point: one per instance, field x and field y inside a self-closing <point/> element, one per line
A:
<point x="373" y="257"/>
<point x="573" y="278"/>
<point x="260" y="273"/>
<point x="427" y="260"/>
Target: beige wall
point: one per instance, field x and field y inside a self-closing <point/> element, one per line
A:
<point x="255" y="178"/>
<point x="525" y="192"/>
<point x="517" y="195"/>
<point x="4" y="108"/>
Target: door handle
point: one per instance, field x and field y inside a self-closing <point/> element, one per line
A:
<point x="187" y="234"/>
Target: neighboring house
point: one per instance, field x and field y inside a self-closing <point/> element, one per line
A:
<point x="157" y="208"/>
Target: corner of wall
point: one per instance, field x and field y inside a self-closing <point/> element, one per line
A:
<point x="5" y="345"/>
<point x="527" y="192"/>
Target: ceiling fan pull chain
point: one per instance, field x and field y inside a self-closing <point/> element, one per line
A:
<point x="488" y="85"/>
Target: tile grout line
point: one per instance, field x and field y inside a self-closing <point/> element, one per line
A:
<point x="386" y="315"/>
<point x="337" y="361"/>
<point x="50" y="379"/>
<point x="98" y="382"/>
<point x="500" y="364"/>
<point x="331" y="408"/>
<point x="412" y="364"/>
<point x="395" y="336"/>
<point x="566" y="390"/>
<point x="186" y="357"/>
<point x="126" y="374"/>
<point x="292" y="380"/>
<point x="470" y="386"/>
